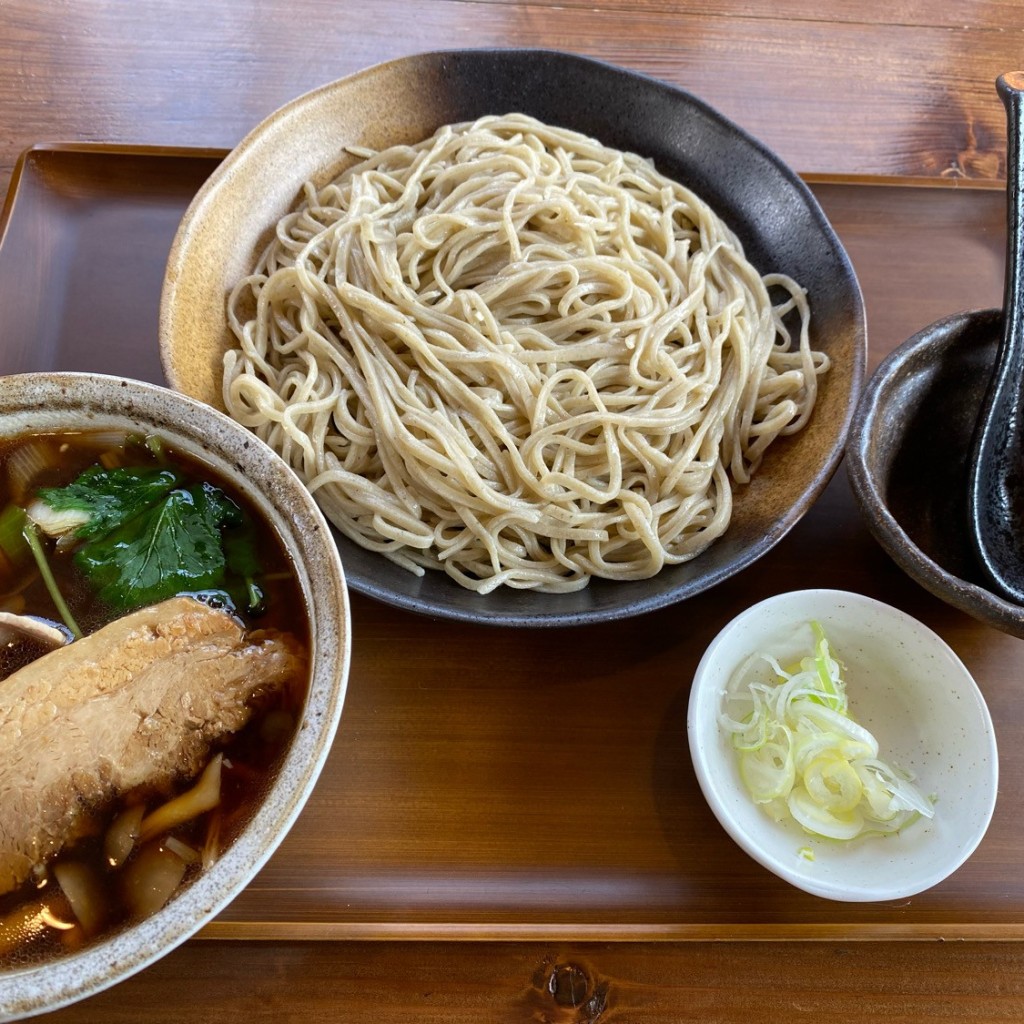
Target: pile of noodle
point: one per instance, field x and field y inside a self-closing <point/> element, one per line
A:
<point x="516" y="355"/>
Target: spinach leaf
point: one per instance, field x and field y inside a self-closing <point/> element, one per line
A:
<point x="170" y="548"/>
<point x="241" y="546"/>
<point x="110" y="497"/>
<point x="150" y="535"/>
<point x="240" y="550"/>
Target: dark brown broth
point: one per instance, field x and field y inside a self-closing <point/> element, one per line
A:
<point x="251" y="757"/>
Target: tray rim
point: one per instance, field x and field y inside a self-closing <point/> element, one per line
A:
<point x="456" y="931"/>
<point x="131" y="149"/>
<point x="22" y="165"/>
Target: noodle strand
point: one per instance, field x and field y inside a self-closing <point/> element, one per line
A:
<point x="517" y="356"/>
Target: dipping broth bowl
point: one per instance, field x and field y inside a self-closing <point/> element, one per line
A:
<point x="907" y="458"/>
<point x="70" y="402"/>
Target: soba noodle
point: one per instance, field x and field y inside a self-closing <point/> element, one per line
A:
<point x="516" y="355"/>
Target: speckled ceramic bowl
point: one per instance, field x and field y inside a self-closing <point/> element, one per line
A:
<point x="769" y="207"/>
<point x="911" y="692"/>
<point x="68" y="401"/>
<point x="907" y="459"/>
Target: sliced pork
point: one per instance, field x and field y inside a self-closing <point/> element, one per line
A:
<point x="134" y="705"/>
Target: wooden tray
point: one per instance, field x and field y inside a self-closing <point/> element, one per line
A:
<point x="509" y="784"/>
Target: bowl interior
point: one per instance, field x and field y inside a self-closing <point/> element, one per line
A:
<point x="71" y="401"/>
<point x="908" y="688"/>
<point x="780" y="224"/>
<point x="908" y="452"/>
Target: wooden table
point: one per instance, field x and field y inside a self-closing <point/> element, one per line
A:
<point x="871" y="102"/>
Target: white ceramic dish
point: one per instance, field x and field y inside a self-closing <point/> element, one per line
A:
<point x="908" y="688"/>
<point x="72" y="401"/>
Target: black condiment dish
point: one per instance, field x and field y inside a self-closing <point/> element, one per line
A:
<point x="908" y="457"/>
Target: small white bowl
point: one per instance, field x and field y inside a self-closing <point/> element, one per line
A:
<point x="912" y="692"/>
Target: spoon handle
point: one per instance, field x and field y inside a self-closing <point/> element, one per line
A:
<point x="1011" y="91"/>
<point x="996" y="475"/>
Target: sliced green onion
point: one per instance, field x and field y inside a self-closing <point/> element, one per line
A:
<point x="755" y="735"/>
<point x="256" y="599"/>
<point x="156" y="447"/>
<point x="13" y="548"/>
<point x="833" y="783"/>
<point x="802" y="755"/>
<point x="31" y="536"/>
<point x="820" y="820"/>
<point x="768" y="771"/>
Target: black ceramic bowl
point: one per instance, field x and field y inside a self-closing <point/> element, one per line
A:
<point x="907" y="457"/>
<point x="776" y="217"/>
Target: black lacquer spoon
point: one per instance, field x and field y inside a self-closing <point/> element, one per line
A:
<point x="995" y="497"/>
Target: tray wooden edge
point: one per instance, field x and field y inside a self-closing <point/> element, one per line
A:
<point x="22" y="166"/>
<point x="277" y="931"/>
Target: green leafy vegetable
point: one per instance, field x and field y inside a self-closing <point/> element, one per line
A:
<point x="110" y="497"/>
<point x="148" y="536"/>
<point x="240" y="547"/>
<point x="171" y="547"/>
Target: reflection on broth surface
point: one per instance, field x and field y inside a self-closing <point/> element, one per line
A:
<point x="154" y="663"/>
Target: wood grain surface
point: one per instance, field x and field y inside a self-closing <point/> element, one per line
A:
<point x="874" y="88"/>
<point x="568" y="983"/>
<point x="882" y="90"/>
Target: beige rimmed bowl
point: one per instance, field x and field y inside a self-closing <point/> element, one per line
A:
<point x="75" y="401"/>
<point x="775" y="215"/>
